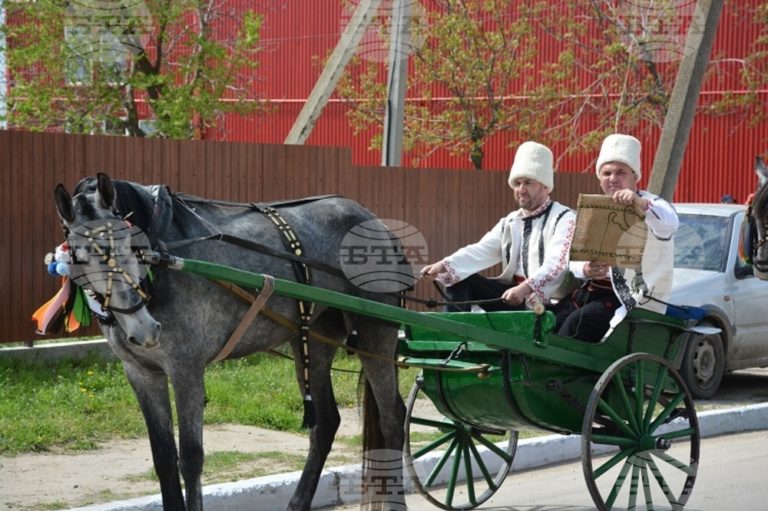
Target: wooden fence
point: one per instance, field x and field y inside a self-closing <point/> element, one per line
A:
<point x="449" y="207"/>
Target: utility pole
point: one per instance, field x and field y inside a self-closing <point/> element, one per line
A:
<point x="397" y="79"/>
<point x="305" y="122"/>
<point x="685" y="96"/>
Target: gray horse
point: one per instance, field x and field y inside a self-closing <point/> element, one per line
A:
<point x="754" y="231"/>
<point x="167" y="328"/>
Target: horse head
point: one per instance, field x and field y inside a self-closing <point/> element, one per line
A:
<point x="757" y="223"/>
<point x="105" y="249"/>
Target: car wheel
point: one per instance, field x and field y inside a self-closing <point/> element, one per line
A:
<point x="704" y="364"/>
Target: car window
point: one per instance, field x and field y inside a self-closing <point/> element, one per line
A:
<point x="702" y="242"/>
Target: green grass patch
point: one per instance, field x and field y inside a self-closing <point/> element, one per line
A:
<point x="350" y="441"/>
<point x="72" y="405"/>
<point x="75" y="405"/>
<point x="224" y="466"/>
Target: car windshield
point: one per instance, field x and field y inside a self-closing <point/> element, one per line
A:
<point x="701" y="242"/>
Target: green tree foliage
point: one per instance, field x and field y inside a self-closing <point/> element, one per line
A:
<point x="615" y="68"/>
<point x="601" y="66"/>
<point x="466" y="56"/>
<point x="751" y="70"/>
<point x="617" y="65"/>
<point x="94" y="66"/>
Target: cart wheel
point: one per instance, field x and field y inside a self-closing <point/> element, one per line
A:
<point x="440" y="453"/>
<point x="640" y="438"/>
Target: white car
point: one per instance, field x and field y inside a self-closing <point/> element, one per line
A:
<point x="710" y="274"/>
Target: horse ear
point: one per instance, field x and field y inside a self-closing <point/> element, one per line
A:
<point x="106" y="190"/>
<point x="63" y="203"/>
<point x="761" y="169"/>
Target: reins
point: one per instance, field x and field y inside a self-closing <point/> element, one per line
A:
<point x="430" y="303"/>
<point x="259" y="247"/>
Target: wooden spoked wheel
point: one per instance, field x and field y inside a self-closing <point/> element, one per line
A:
<point x="453" y="464"/>
<point x="640" y="437"/>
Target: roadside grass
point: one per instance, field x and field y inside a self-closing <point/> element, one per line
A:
<point x="225" y="466"/>
<point x="75" y="405"/>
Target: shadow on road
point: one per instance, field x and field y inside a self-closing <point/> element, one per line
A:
<point x="742" y="387"/>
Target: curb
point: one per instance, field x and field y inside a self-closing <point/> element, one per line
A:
<point x="75" y="350"/>
<point x="338" y="486"/>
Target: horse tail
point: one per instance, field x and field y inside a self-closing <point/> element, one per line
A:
<point x="375" y="483"/>
<point x="373" y="440"/>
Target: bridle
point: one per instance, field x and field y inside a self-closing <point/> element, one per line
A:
<point x="82" y="236"/>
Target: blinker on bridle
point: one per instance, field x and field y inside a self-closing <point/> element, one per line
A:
<point x="107" y="256"/>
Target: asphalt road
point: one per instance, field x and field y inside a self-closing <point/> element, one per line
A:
<point x="733" y="475"/>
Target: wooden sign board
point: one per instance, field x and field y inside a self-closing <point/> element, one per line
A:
<point x="608" y="232"/>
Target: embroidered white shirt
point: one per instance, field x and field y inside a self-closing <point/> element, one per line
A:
<point x="532" y="246"/>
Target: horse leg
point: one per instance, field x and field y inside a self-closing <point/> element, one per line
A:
<point x="327" y="417"/>
<point x="383" y="421"/>
<point x="189" y="388"/>
<point x="151" y="389"/>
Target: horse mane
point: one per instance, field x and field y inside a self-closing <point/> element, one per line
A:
<point x="148" y="207"/>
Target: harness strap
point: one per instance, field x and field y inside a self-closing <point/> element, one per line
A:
<point x="259" y="247"/>
<point x="184" y="197"/>
<point x="402" y="361"/>
<point x="306" y="309"/>
<point x="256" y="306"/>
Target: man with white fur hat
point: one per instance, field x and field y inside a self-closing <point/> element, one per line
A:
<point x="532" y="244"/>
<point x="610" y="293"/>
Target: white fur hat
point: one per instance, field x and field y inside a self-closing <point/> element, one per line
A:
<point x="623" y="149"/>
<point x="533" y="161"/>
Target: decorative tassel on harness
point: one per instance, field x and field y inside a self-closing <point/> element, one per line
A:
<point x="71" y="307"/>
<point x="310" y="419"/>
<point x="68" y="309"/>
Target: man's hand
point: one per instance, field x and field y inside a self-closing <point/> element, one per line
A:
<point x="596" y="270"/>
<point x="628" y="197"/>
<point x="432" y="270"/>
<point x="516" y="295"/>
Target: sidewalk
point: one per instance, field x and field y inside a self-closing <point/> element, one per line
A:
<point x="273" y="492"/>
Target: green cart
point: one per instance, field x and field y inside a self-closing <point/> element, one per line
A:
<point x="638" y="426"/>
<point x="487" y="376"/>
